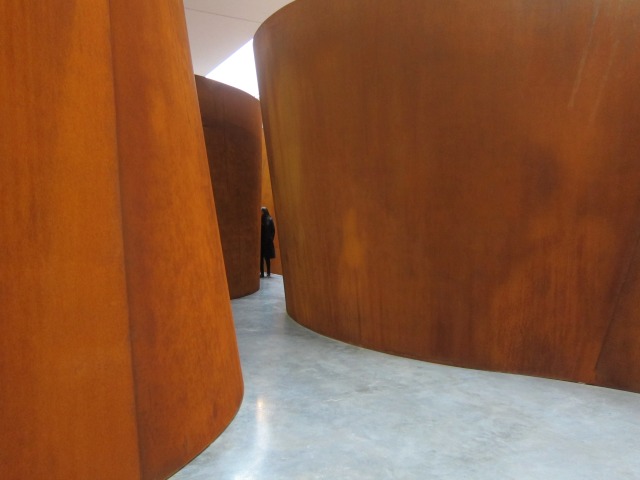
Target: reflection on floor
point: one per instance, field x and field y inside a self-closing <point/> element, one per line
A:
<point x="315" y="408"/>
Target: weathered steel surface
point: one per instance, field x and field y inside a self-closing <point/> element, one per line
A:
<point x="118" y="356"/>
<point x="460" y="181"/>
<point x="232" y="125"/>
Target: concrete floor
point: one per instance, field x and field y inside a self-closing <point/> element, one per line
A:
<point x="315" y="408"/>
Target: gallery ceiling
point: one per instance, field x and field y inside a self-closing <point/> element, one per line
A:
<point x="217" y="28"/>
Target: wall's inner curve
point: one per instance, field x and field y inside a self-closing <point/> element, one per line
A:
<point x="460" y="181"/>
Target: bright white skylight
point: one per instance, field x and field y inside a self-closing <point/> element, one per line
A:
<point x="239" y="70"/>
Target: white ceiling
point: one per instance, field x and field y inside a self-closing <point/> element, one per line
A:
<point x="217" y="28"/>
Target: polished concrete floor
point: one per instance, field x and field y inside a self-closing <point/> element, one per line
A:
<point x="315" y="408"/>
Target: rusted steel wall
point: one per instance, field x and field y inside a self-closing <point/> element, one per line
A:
<point x="232" y="125"/>
<point x="118" y="356"/>
<point x="459" y="182"/>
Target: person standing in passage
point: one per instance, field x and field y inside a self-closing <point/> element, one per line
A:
<point x="267" y="234"/>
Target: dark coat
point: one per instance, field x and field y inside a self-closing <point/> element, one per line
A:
<point x="267" y="234"/>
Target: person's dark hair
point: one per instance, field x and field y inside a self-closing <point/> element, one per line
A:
<point x="265" y="210"/>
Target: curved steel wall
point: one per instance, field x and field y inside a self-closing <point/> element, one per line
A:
<point x="459" y="181"/>
<point x="232" y="125"/>
<point x="118" y="356"/>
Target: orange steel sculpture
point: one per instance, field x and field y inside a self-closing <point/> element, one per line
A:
<point x="232" y="125"/>
<point x="459" y="182"/>
<point x="118" y="356"/>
